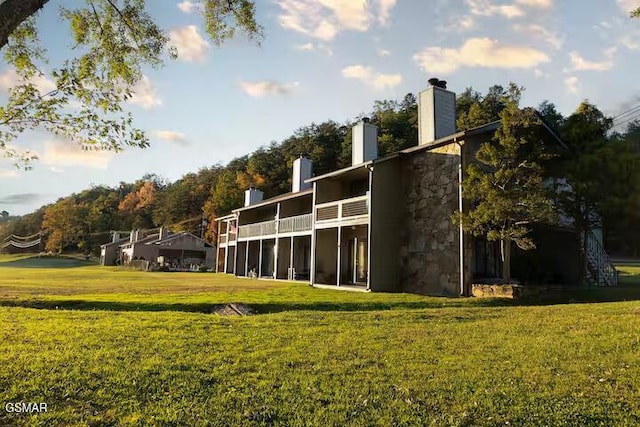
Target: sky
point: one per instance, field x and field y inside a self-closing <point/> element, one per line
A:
<point x="329" y="59"/>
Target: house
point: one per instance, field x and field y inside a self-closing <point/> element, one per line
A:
<point x="110" y="252"/>
<point x="384" y="224"/>
<point x="179" y="250"/>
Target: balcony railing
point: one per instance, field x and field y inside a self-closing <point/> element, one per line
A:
<point x="295" y="224"/>
<point x="267" y="228"/>
<point x="343" y="209"/>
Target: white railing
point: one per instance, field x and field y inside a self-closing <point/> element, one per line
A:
<point x="343" y="209"/>
<point x="295" y="224"/>
<point x="599" y="265"/>
<point x="292" y="224"/>
<point x="265" y="228"/>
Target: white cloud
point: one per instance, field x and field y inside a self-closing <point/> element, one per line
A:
<point x="172" y="136"/>
<point x="324" y="19"/>
<point x="383" y="53"/>
<point x="188" y="7"/>
<point x="267" y="87"/>
<point x="59" y="152"/>
<point x="479" y="52"/>
<point x="541" y="4"/>
<point x="145" y="95"/>
<point x="315" y="47"/>
<point x="539" y="73"/>
<point x="572" y="84"/>
<point x="55" y="169"/>
<point x="541" y="33"/>
<point x="189" y="43"/>
<point x="631" y="42"/>
<point x="9" y="78"/>
<point x="628" y="5"/>
<point x="487" y="8"/>
<point x="581" y="64"/>
<point x="371" y="77"/>
<point x="8" y="173"/>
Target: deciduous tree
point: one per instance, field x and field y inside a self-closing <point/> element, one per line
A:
<point x="112" y="41"/>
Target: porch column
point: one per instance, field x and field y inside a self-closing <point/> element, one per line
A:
<point x="291" y="259"/>
<point x="260" y="260"/>
<point x="312" y="275"/>
<point x="246" y="260"/>
<point x="235" y="252"/>
<point x="339" y="255"/>
<point x="275" y="246"/>
<point x="226" y="251"/>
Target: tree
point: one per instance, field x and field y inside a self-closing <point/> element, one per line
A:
<point x="65" y="224"/>
<point x="476" y="110"/>
<point x="114" y="40"/>
<point x="506" y="186"/>
<point x="636" y="13"/>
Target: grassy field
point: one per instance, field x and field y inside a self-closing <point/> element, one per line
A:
<point x="104" y="346"/>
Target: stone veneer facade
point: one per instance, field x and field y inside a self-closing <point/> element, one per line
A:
<point x="430" y="253"/>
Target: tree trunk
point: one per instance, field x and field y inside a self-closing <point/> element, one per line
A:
<point x="505" y="249"/>
<point x="13" y="13"/>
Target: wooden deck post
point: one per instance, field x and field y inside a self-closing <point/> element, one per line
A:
<point x="339" y="256"/>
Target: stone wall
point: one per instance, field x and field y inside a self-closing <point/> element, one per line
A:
<point x="430" y="253"/>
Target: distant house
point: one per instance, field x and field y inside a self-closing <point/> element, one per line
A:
<point x="180" y="250"/>
<point x="384" y="224"/>
<point x="110" y="252"/>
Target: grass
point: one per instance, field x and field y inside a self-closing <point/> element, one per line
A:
<point x="108" y="347"/>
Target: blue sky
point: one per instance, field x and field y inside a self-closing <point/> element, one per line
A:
<point x="331" y="59"/>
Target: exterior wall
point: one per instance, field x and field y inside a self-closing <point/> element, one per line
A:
<point x="295" y="207"/>
<point x="430" y="253"/>
<point x="326" y="256"/>
<point x="386" y="226"/>
<point x="148" y="252"/>
<point x="109" y="254"/>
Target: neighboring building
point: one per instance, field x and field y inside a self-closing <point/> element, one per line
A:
<point x="179" y="250"/>
<point x="110" y="252"/>
<point x="384" y="224"/>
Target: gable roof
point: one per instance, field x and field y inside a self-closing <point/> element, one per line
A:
<point x="178" y="235"/>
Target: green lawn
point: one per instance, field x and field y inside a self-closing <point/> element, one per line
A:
<point x="109" y="347"/>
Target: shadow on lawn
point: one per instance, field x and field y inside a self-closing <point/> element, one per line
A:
<point x="592" y="295"/>
<point x="46" y="262"/>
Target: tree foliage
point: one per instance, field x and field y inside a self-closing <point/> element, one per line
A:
<point x="113" y="40"/>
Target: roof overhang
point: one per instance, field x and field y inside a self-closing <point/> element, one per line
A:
<point x="281" y="198"/>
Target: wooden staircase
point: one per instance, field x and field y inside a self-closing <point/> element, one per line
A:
<point x="600" y="268"/>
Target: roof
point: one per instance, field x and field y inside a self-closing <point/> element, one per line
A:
<point x="178" y="235"/>
<point x="435" y="144"/>
<point x="280" y="198"/>
<point x="119" y="242"/>
<point x="150" y="238"/>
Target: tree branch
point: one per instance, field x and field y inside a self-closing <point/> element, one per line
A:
<point x="15" y="12"/>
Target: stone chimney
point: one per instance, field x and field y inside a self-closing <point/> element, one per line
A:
<point x="252" y="196"/>
<point x="302" y="170"/>
<point x="436" y="112"/>
<point x="364" y="143"/>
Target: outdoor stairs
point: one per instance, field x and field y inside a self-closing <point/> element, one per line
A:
<point x="600" y="268"/>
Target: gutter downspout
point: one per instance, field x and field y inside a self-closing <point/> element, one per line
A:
<point x="461" y="231"/>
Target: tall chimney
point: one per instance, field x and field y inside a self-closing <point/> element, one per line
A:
<point x="364" y="143"/>
<point x="252" y="196"/>
<point x="302" y="169"/>
<point x="436" y="112"/>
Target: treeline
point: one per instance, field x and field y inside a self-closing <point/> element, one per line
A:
<point x="81" y="222"/>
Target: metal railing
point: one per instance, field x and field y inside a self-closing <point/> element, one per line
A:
<point x="343" y="209"/>
<point x="599" y="265"/>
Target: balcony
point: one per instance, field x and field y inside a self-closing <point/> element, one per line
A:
<point x="294" y="224"/>
<point x="354" y="210"/>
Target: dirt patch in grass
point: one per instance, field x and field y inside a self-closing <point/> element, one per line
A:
<point x="233" y="310"/>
